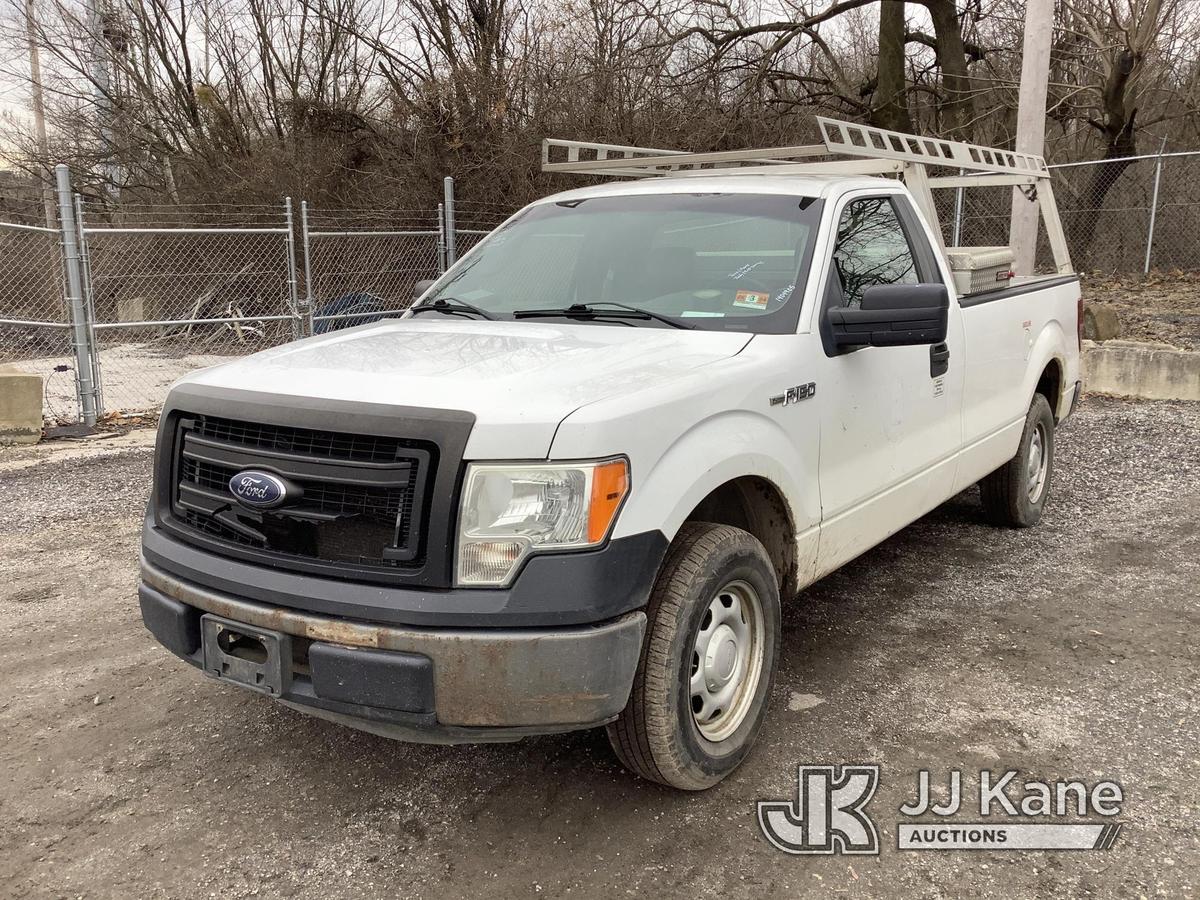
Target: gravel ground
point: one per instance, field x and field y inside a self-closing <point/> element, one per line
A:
<point x="1065" y="651"/>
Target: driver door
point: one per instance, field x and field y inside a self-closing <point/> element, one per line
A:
<point x="891" y="426"/>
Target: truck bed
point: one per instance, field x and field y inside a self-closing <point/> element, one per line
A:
<point x="1021" y="284"/>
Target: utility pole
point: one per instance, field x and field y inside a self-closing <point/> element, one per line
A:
<point x="102" y="91"/>
<point x="207" y="41"/>
<point x="39" y="113"/>
<point x="1031" y="124"/>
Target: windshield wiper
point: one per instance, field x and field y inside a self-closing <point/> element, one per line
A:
<point x="589" y="310"/>
<point x="451" y="306"/>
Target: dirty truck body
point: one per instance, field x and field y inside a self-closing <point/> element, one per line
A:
<point x="571" y="487"/>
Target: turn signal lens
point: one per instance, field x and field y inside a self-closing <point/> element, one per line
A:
<point x="610" y="484"/>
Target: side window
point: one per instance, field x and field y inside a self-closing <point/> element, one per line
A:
<point x="871" y="249"/>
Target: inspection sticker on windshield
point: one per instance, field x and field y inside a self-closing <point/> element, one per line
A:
<point x="751" y="299"/>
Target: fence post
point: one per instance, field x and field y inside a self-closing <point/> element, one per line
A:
<point x="1154" y="206"/>
<point x="451" y="251"/>
<point x="308" y="294"/>
<point x="80" y="328"/>
<point x="297" y="320"/>
<point x="441" y="239"/>
<point x="89" y="301"/>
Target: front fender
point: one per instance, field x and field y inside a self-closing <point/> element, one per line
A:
<point x="719" y="449"/>
<point x="714" y="451"/>
<point x="687" y="437"/>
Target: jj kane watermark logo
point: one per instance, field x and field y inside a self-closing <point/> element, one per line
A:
<point x="829" y="814"/>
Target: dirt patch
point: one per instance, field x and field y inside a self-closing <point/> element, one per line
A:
<point x="1067" y="650"/>
<point x="1162" y="307"/>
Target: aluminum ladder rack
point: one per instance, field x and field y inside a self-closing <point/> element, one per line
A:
<point x="872" y="151"/>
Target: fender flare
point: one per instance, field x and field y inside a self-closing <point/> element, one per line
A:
<point x="1049" y="346"/>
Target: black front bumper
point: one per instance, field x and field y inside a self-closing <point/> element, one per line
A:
<point x="552" y="589"/>
<point x="437" y="685"/>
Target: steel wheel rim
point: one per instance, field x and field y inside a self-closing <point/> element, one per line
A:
<point x="1039" y="463"/>
<point x="726" y="661"/>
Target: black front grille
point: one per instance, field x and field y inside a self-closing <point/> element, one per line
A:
<point x="360" y="503"/>
<point x="305" y="442"/>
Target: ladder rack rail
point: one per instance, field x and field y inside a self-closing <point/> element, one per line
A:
<point x="840" y="139"/>
<point x="854" y="139"/>
<point x="873" y="151"/>
<point x="612" y="159"/>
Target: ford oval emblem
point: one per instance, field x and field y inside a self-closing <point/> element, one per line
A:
<point x="260" y="490"/>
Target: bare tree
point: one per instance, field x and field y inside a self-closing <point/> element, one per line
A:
<point x="365" y="101"/>
<point x="1104" y="73"/>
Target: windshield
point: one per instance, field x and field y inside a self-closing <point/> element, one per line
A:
<point x="713" y="261"/>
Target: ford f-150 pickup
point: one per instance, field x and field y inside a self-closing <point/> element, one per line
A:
<point x="572" y="485"/>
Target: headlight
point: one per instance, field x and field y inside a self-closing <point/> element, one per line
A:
<point x="510" y="511"/>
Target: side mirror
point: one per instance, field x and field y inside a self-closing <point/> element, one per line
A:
<point x="893" y="315"/>
<point x="421" y="287"/>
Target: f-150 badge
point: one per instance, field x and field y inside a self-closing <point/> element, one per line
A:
<point x="795" y="394"/>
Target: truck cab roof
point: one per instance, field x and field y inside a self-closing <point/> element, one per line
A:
<point x="819" y="186"/>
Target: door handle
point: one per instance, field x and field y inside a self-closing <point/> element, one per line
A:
<point x="939" y="360"/>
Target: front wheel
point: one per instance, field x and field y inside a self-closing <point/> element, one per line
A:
<point x="708" y="660"/>
<point x="1016" y="493"/>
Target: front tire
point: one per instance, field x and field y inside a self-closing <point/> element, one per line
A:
<point x="708" y="660"/>
<point x="1016" y="493"/>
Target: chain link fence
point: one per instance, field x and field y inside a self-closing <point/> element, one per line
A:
<point x="34" y="331"/>
<point x="168" y="289"/>
<point x="164" y="290"/>
<point x="169" y="298"/>
<point x="1127" y="215"/>
<point x="363" y="264"/>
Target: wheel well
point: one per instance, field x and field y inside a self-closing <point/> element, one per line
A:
<point x="756" y="505"/>
<point x="1050" y="385"/>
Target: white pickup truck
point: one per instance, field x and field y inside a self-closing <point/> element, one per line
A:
<point x="573" y="484"/>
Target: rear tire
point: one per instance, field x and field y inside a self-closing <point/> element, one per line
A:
<point x="1016" y="493"/>
<point x="708" y="660"/>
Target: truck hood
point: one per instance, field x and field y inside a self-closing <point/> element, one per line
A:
<point x="519" y="379"/>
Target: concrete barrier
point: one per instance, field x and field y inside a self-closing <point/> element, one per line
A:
<point x="1146" y="371"/>
<point x="20" y="407"/>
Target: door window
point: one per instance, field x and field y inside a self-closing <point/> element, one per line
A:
<point x="871" y="249"/>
